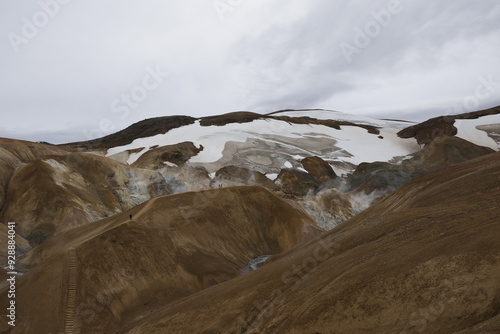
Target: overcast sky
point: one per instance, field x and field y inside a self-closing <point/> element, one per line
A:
<point x="76" y="69"/>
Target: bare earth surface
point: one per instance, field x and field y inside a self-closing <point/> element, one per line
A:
<point x="424" y="260"/>
<point x="101" y="276"/>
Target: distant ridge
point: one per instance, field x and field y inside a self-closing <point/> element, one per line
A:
<point x="160" y="125"/>
<point x="426" y="131"/>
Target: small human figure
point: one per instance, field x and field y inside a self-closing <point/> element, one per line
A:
<point x="130" y="217"/>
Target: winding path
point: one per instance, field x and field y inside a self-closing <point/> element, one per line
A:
<point x="146" y="207"/>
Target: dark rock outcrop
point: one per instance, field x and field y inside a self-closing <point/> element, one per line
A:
<point x="319" y="169"/>
<point x="233" y="176"/>
<point x="178" y="154"/>
<point x="436" y="127"/>
<point x="296" y="182"/>
<point x="233" y="117"/>
<point x="433" y="128"/>
<point x="379" y="176"/>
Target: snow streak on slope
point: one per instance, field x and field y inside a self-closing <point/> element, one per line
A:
<point x="274" y="142"/>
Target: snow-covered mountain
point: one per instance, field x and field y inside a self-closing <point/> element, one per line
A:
<point x="282" y="139"/>
<point x="318" y="157"/>
<point x="270" y="144"/>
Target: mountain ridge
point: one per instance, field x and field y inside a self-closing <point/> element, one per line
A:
<point x="360" y="230"/>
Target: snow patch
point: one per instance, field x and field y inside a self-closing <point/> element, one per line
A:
<point x="352" y="144"/>
<point x="467" y="129"/>
<point x="255" y="263"/>
<point x="170" y="164"/>
<point x="272" y="176"/>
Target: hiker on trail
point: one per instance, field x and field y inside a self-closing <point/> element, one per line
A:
<point x="130" y="217"/>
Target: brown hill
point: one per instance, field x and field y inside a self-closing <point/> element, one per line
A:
<point x="22" y="246"/>
<point x="28" y="151"/>
<point x="100" y="276"/>
<point x="48" y="196"/>
<point x="13" y="153"/>
<point x="424" y="259"/>
<point x="444" y="151"/>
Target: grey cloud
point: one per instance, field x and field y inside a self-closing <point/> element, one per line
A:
<point x="265" y="55"/>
